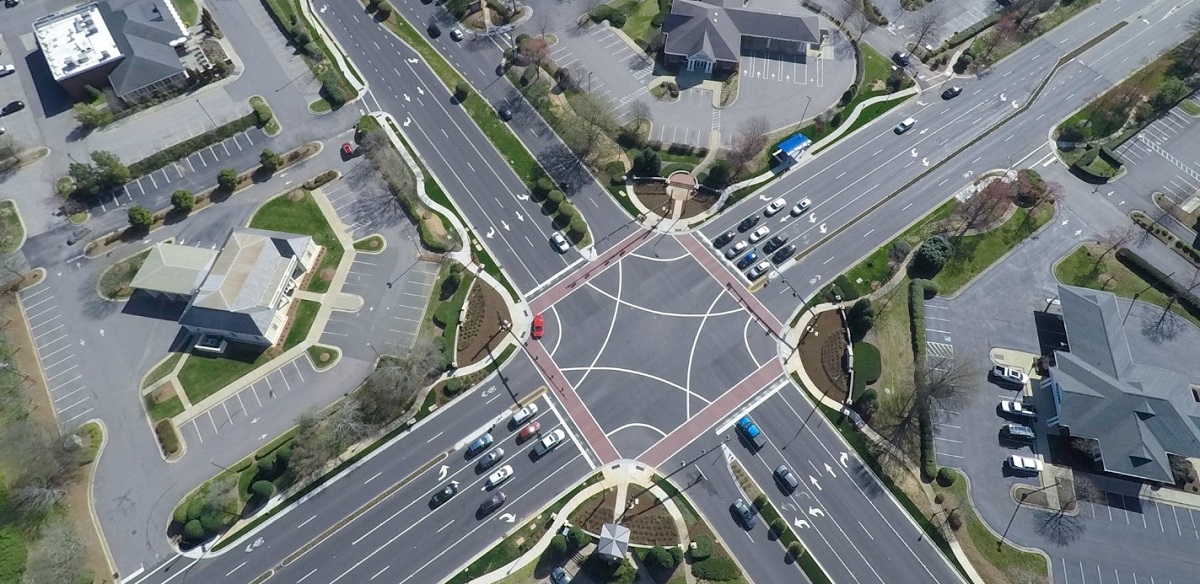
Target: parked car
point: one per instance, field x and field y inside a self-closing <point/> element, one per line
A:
<point x="775" y="243"/>
<point x="559" y="576"/>
<point x="504" y="113"/>
<point x="759" y="233"/>
<point x="951" y="92"/>
<point x="550" y="441"/>
<point x="502" y="474"/>
<point x="476" y="446"/>
<point x="6" y="70"/>
<point x="12" y="107"/>
<point x="1017" y="408"/>
<point x="758" y="270"/>
<point x="530" y="429"/>
<point x="491" y="458"/>
<point x="745" y="514"/>
<point x="559" y="242"/>
<point x="491" y="503"/>
<point x="524" y="413"/>
<point x="747" y="260"/>
<point x="747" y="223"/>
<point x="445" y="493"/>
<point x="801" y="207"/>
<point x="776" y="206"/>
<point x="1010" y="375"/>
<point x="901" y="58"/>
<point x="736" y="250"/>
<point x="783" y="254"/>
<point x="903" y="127"/>
<point x="723" y="239"/>
<point x="456" y="34"/>
<point x="1019" y="432"/>
<point x="1023" y="464"/>
<point x="347" y="150"/>
<point x="786" y="478"/>
<point x="538" y="326"/>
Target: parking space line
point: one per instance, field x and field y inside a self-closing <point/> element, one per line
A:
<point x="248" y="139"/>
<point x="226" y="149"/>
<point x="1176" y="514"/>
<point x="49" y="331"/>
<point x="48" y="343"/>
<point x="270" y="389"/>
<point x="196" y="428"/>
<point x="212" y="421"/>
<point x="60" y="362"/>
<point x="1160" y="523"/>
<point x="256" y="398"/>
<point x="950" y="455"/>
<point x="64" y="384"/>
<point x="227" y="415"/>
<point x="947" y="440"/>
<point x="60" y="410"/>
<point x="70" y="394"/>
<point x="67" y="370"/>
<point x="56" y="351"/>
<point x="42" y="312"/>
<point x="38" y="303"/>
<point x="241" y="403"/>
<point x="298" y="372"/>
<point x="285" y="381"/>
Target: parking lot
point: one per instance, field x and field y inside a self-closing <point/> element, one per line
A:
<point x="398" y="320"/>
<point x="1161" y="157"/>
<point x="781" y="67"/>
<point x="56" y="347"/>
<point x="604" y="65"/>
<point x="256" y="400"/>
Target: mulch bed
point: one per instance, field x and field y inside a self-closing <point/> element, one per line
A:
<point x="481" y="330"/>
<point x="649" y="522"/>
<point x="595" y="512"/>
<point x="697" y="203"/>
<point x="822" y="351"/>
<point x="653" y="196"/>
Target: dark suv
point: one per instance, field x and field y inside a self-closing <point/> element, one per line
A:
<point x="775" y="243"/>
<point x="747" y="223"/>
<point x="744" y="513"/>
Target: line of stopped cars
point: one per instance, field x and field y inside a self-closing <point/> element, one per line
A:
<point x="746" y="256"/>
<point x="1019" y="410"/>
<point x="530" y="428"/>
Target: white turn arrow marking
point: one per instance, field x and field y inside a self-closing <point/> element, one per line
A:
<point x="920" y="102"/>
<point x="829" y="469"/>
<point x="822" y="228"/>
<point x="923" y="130"/>
<point x="101" y="332"/>
<point x="504" y="225"/>
<point x="842" y="459"/>
<point x="1015" y="106"/>
<point x="1003" y="98"/>
<point x="1065" y="221"/>
<point x="802" y="524"/>
<point x="508" y="517"/>
<point x="254" y="421"/>
<point x="522" y="197"/>
<point x="80" y="342"/>
<point x="413" y="61"/>
<point x="263" y="437"/>
<point x="925" y="161"/>
<point x="520" y="218"/>
<point x="491" y="232"/>
<point x="407" y="121"/>
<point x="1078" y="232"/>
<point x="420" y="91"/>
<point x="764" y="198"/>
<point x="442" y="473"/>
<point x="913" y="152"/>
<point x="324" y="8"/>
<point x="814" y="482"/>
<point x="812" y="217"/>
<point x="816" y="512"/>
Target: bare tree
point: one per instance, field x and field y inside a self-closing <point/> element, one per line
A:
<point x="58" y="555"/>
<point x="942" y="385"/>
<point x="639" y="110"/>
<point x="1057" y="527"/>
<point x="534" y="50"/>
<point x="928" y="23"/>
<point x="854" y="19"/>
<point x="391" y="389"/>
<point x="310" y="448"/>
<point x="542" y="23"/>
<point x="1112" y="240"/>
<point x="346" y="425"/>
<point x="1178" y="291"/>
<point x="747" y="143"/>
<point x="984" y="207"/>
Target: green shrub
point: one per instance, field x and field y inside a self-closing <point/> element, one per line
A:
<point x="542" y="187"/>
<point x="719" y="175"/>
<point x="262" y="112"/>
<point x="966" y="33"/>
<point x="384" y="9"/>
<point x="929" y="468"/>
<point x="462" y="90"/>
<point x="795" y="550"/>
<point x="866" y="402"/>
<point x="331" y="89"/>
<point x="615" y="171"/>
<point x="262" y="489"/>
<point x="577" y="228"/>
<point x="659" y="558"/>
<point x="760" y="501"/>
<point x="270" y="160"/>
<point x="703" y="548"/>
<point x="954" y="520"/>
<point x="183" y="200"/>
<point x="716" y="568"/>
<point x="454" y="387"/>
<point x="557" y="547"/>
<point x="932" y="256"/>
<point x="268" y="467"/>
<point x="778" y="527"/>
<point x="13" y="554"/>
<point x="568" y="211"/>
<point x="193" y="530"/>
<point x="577" y="538"/>
<point x="860" y="318"/>
<point x="868" y="366"/>
<point x="284" y="454"/>
<point x="677" y="554"/>
<point x="945" y="476"/>
<point x="647" y="163"/>
<point x="140" y="217"/>
<point x="187" y="147"/>
<point x="227" y="179"/>
<point x="606" y="12"/>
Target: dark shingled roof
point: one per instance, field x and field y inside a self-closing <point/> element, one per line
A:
<point x="715" y="28"/>
<point x="143" y="30"/>
<point x="1137" y="413"/>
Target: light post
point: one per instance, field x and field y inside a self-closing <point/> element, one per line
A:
<point x="1135" y="297"/>
<point x="1000" y="543"/>
<point x="202" y="108"/>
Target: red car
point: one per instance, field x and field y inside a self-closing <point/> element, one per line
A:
<point x="530" y="429"/>
<point x="347" y="150"/>
<point x="538" y="321"/>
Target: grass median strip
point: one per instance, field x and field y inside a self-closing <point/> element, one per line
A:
<point x="779" y="528"/>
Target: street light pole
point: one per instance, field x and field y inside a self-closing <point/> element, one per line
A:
<point x="1000" y="543"/>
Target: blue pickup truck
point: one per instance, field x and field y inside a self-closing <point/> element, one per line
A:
<point x="750" y="431"/>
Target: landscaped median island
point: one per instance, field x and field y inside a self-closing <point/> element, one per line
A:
<point x="779" y="528"/>
<point x="266" y="117"/>
<point x="303" y="35"/>
<point x="12" y="232"/>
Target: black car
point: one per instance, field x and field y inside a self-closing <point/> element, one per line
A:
<point x="723" y="239"/>
<point x="491" y="503"/>
<point x="951" y="92"/>
<point x="434" y="30"/>
<point x="901" y="58"/>
<point x="11" y="3"/>
<point x="491" y="458"/>
<point x="783" y="254"/>
<point x="504" y="113"/>
<point x="747" y="223"/>
<point x="744" y="513"/>
<point x="775" y="243"/>
<point x="12" y="107"/>
<point x="445" y="494"/>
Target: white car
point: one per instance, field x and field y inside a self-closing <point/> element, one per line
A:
<point x="759" y="234"/>
<point x="736" y="250"/>
<point x="903" y="127"/>
<point x="550" y="441"/>
<point x="801" y="207"/>
<point x="525" y="413"/>
<point x="456" y="34"/>
<point x="775" y="207"/>
<point x="1017" y="408"/>
<point x="502" y="474"/>
<point x="1010" y="374"/>
<point x="6" y="70"/>
<point x="1024" y="464"/>
<point x="559" y="242"/>
<point x="757" y="271"/>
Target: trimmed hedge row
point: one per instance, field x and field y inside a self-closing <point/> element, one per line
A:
<point x="929" y="467"/>
<point x="917" y="289"/>
<point x="184" y="149"/>
<point x="1160" y="281"/>
<point x="968" y="33"/>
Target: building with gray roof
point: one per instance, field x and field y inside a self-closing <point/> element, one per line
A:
<point x="242" y="293"/>
<point x="134" y="46"/>
<point x="1138" y="415"/>
<point x="709" y="35"/>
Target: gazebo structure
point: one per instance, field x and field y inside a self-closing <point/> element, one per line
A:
<point x="614" y="542"/>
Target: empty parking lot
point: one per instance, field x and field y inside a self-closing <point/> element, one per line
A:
<point x="56" y="348"/>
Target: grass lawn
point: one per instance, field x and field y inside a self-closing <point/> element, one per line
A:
<point x="892" y="335"/>
<point x="303" y="216"/>
<point x="302" y="322"/>
<point x="1048" y="21"/>
<point x="188" y="11"/>
<point x="203" y="375"/>
<point x="165" y="409"/>
<point x="370" y="243"/>
<point x="272" y="125"/>
<point x="162" y="369"/>
<point x="11" y="232"/>
<point x="114" y="281"/>
<point x="985" y="549"/>
<point x="1190" y="108"/>
<point x="973" y="254"/>
<point x="875" y="269"/>
<point x="320" y="106"/>
<point x="1080" y="269"/>
<point x="638" y="14"/>
<point x="1106" y="114"/>
<point x="322" y="356"/>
